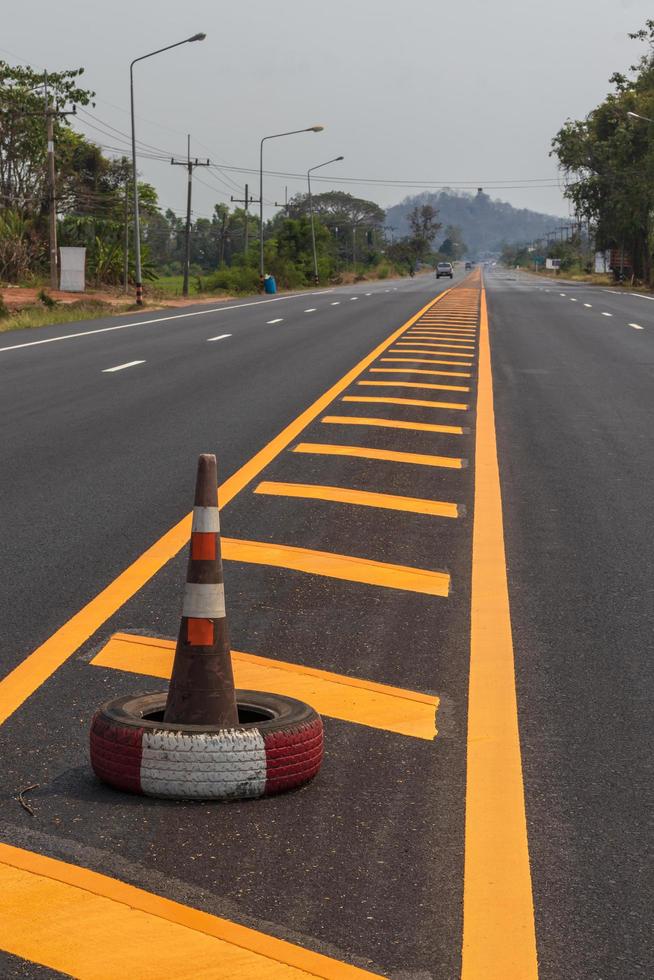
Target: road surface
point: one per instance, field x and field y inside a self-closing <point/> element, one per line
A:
<point x="482" y="808"/>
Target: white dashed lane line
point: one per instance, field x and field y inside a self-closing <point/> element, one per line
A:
<point x="312" y="309"/>
<point x="636" y="326"/>
<point x="572" y="299"/>
<point x="352" y="298"/>
<point x="278" y="320"/>
<point x="337" y="303"/>
<point x="121" y="367"/>
<point x="222" y="336"/>
<point x="607" y="314"/>
<point x="589" y="305"/>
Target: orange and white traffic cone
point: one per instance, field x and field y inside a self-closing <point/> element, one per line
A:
<point x="203" y="740"/>
<point x="202" y="683"/>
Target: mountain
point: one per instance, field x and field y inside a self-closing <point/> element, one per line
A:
<point x="485" y="224"/>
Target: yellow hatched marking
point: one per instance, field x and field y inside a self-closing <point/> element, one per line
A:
<point x="362" y="498"/>
<point x="454" y="430"/>
<point x="345" y="567"/>
<point x="444" y="374"/>
<point x="391" y="456"/>
<point x="413" y="384"/>
<point x="417" y="402"/>
<point x="85" y="924"/>
<point x="498" y="916"/>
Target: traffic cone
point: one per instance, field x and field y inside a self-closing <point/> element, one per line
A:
<point x="201" y="688"/>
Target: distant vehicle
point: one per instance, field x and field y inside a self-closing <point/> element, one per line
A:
<point x="444" y="269"/>
<point x="468" y="266"/>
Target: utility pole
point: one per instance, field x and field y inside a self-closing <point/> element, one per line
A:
<point x="247" y="201"/>
<point x="52" y="113"/>
<point x="126" y="240"/>
<point x="190" y="165"/>
<point x="285" y="204"/>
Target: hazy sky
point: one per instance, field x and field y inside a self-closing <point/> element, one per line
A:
<point x="466" y="93"/>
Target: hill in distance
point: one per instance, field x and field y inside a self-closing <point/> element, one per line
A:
<point x="485" y="224"/>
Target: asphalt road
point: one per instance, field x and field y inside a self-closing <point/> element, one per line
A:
<point x="574" y="398"/>
<point x="365" y="864"/>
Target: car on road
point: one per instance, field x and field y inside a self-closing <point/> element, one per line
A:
<point x="468" y="266"/>
<point x="444" y="269"/>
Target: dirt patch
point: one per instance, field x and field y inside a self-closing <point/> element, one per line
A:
<point x="19" y="297"/>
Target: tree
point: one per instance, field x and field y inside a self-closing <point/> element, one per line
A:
<point x="355" y="223"/>
<point x="23" y="148"/>
<point x="453" y="246"/>
<point x="424" y="227"/>
<point x="609" y="161"/>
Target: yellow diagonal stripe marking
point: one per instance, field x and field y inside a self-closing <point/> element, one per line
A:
<point x="351" y="699"/>
<point x="362" y="498"/>
<point x="365" y="452"/>
<point x="345" y="567"/>
<point x="88" y="925"/>
<point x="392" y="424"/>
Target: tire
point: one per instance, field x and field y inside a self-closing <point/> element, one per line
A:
<point x="278" y="746"/>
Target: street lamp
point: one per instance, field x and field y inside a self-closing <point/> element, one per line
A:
<point x="635" y="115"/>
<point x="292" y="132"/>
<point x="313" y="232"/>
<point x="137" y="238"/>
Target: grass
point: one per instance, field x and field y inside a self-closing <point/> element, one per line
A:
<point x="39" y="316"/>
<point x="167" y="286"/>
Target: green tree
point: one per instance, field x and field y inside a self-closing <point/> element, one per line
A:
<point x="608" y="159"/>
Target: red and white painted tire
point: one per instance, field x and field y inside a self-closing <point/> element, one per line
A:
<point x="277" y="746"/>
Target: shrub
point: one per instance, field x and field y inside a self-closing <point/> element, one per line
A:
<point x="46" y="299"/>
<point x="241" y="280"/>
<point x="383" y="272"/>
<point x="4" y="309"/>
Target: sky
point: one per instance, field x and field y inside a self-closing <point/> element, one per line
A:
<point x="424" y="92"/>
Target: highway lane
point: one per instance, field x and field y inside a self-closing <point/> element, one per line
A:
<point x="574" y="401"/>
<point x="367" y="865"/>
<point x="96" y="466"/>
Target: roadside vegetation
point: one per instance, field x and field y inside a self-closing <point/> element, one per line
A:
<point x="608" y="163"/>
<point x="94" y="210"/>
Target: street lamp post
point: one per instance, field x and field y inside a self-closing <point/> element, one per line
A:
<point x="137" y="236"/>
<point x="313" y="232"/>
<point x="636" y="115"/>
<point x="292" y="132"/>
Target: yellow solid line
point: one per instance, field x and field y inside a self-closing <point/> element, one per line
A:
<point x="417" y="402"/>
<point x="413" y="384"/>
<point x="363" y="498"/>
<point x="85" y="924"/>
<point x="422" y="360"/>
<point x="346" y="567"/>
<point x="350" y="699"/>
<point x="454" y="430"/>
<point x="498" y="916"/>
<point x="363" y="452"/>
<point x="21" y="682"/>
<point x="444" y="374"/>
